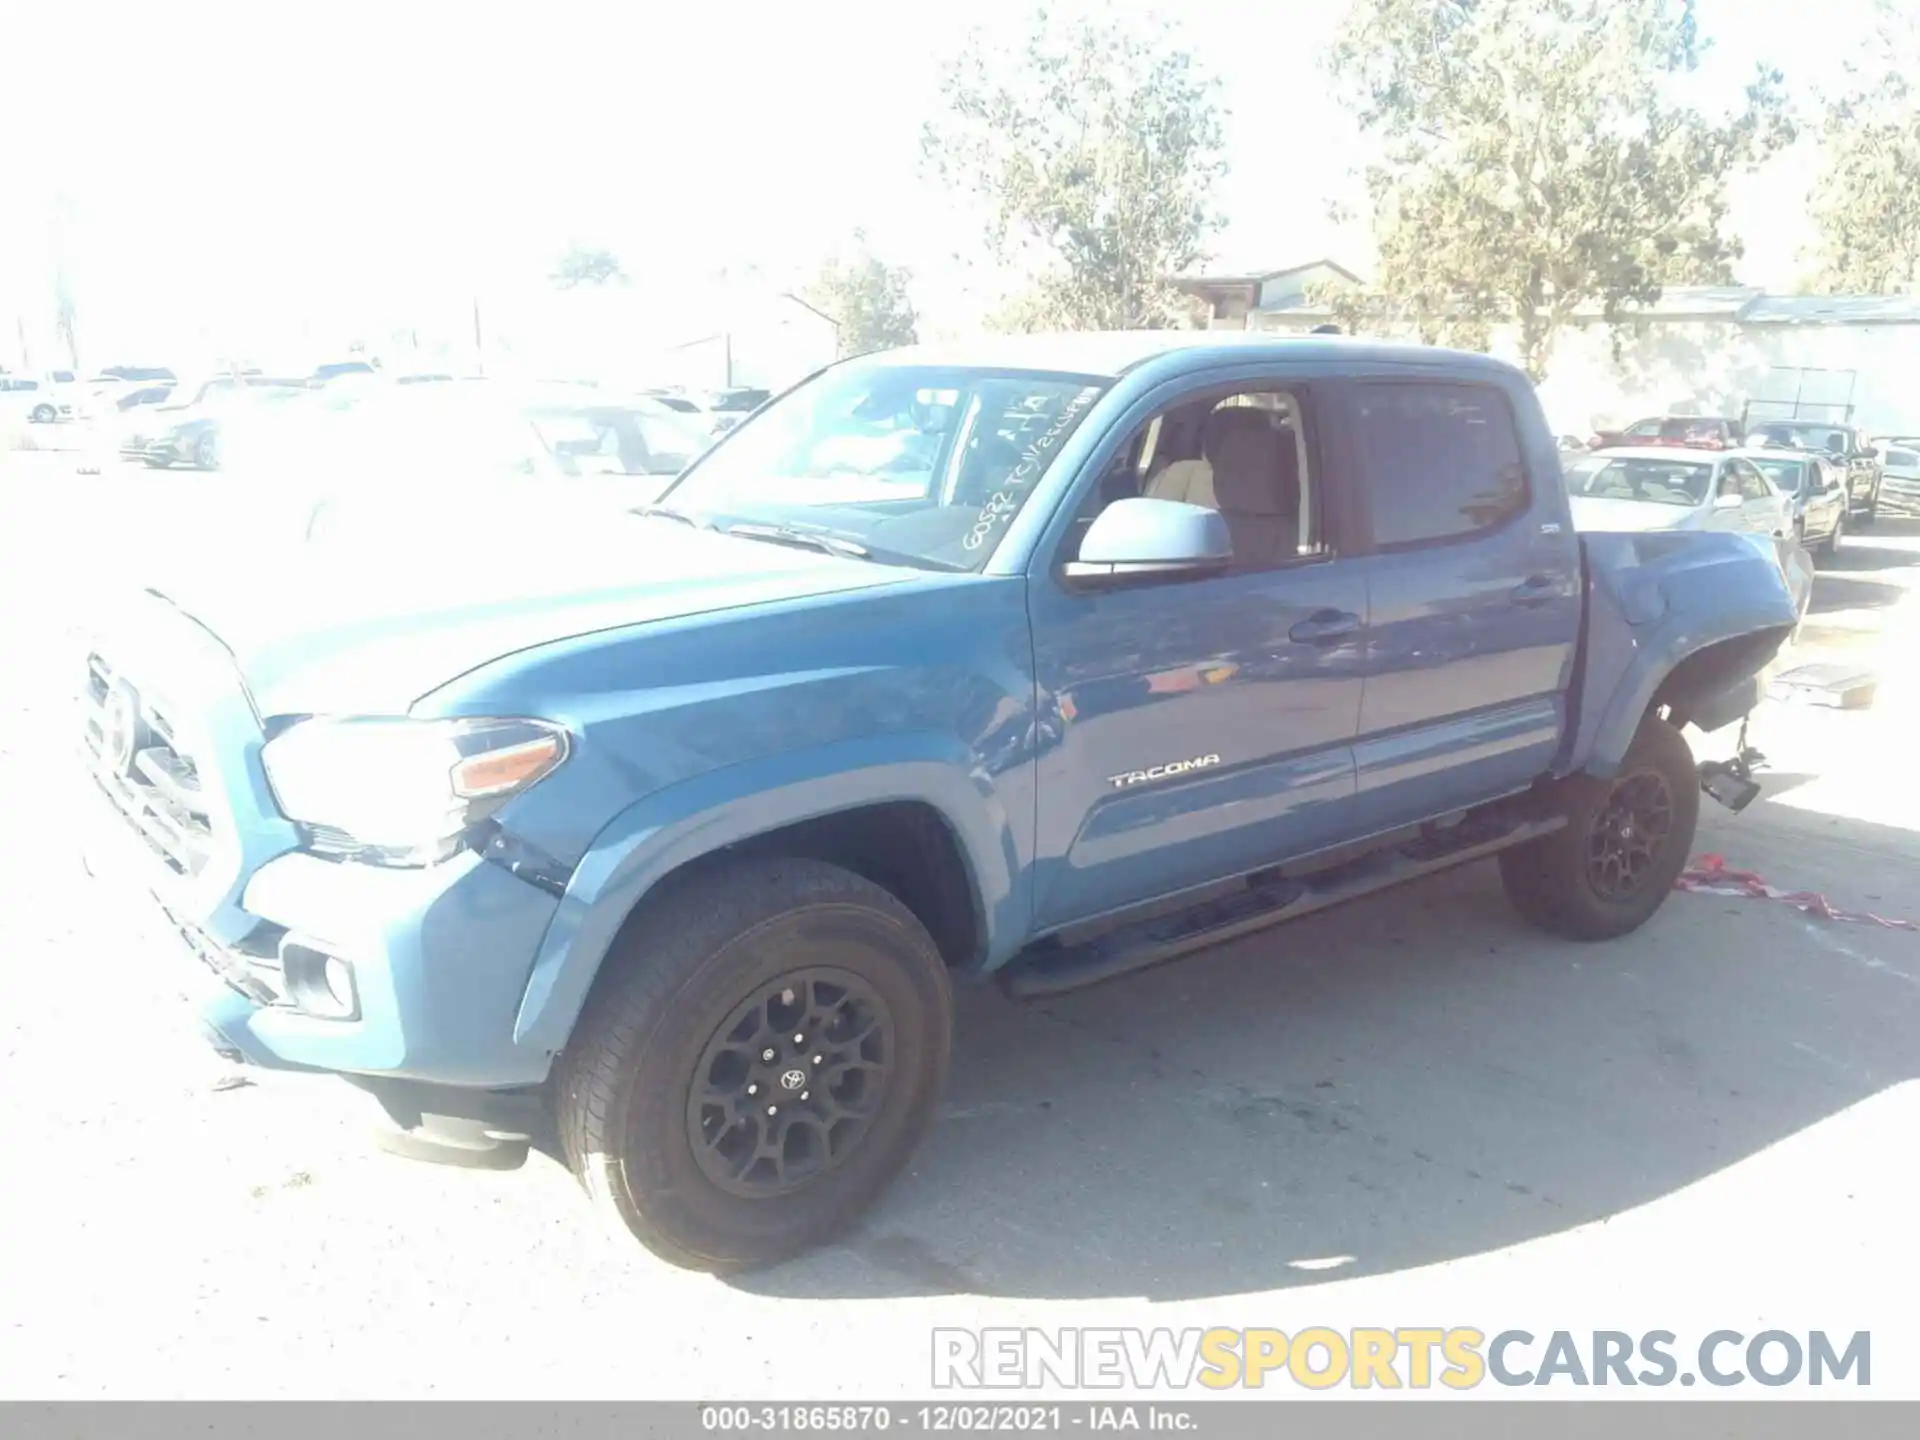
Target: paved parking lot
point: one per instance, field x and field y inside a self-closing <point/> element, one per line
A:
<point x="1409" y="1112"/>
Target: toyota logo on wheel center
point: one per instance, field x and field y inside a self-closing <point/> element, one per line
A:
<point x="792" y="1079"/>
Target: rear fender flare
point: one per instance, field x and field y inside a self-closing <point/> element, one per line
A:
<point x="1658" y="606"/>
<point x="659" y="834"/>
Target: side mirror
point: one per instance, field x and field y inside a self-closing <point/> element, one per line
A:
<point x="1869" y="452"/>
<point x="1143" y="538"/>
<point x="1727" y="502"/>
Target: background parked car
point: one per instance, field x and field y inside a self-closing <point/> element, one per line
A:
<point x="187" y="431"/>
<point x="381" y="462"/>
<point x="1900" y="464"/>
<point x="1817" y="491"/>
<point x="1842" y="445"/>
<point x="37" y="401"/>
<point x="137" y="395"/>
<point x="729" y="407"/>
<point x="1703" y="432"/>
<point x="138" y="373"/>
<point x="1657" y="488"/>
<point x="334" y="369"/>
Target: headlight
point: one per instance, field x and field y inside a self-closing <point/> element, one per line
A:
<point x="406" y="792"/>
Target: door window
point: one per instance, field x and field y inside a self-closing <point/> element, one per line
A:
<point x="1439" y="462"/>
<point x="1248" y="455"/>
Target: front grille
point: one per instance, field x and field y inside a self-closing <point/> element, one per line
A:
<point x="137" y="759"/>
<point x="251" y="967"/>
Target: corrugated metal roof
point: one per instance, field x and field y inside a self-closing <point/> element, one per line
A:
<point x="1833" y="310"/>
<point x="1720" y="302"/>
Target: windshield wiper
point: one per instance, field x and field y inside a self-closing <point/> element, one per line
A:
<point x="667" y="512"/>
<point x="833" y="543"/>
<point x="809" y="539"/>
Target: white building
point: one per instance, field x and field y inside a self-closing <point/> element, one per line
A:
<point x="1700" y="350"/>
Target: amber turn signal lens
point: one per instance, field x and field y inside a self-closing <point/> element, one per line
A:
<point x="494" y="772"/>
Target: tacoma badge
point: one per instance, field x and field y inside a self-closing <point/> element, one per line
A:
<point x="1162" y="772"/>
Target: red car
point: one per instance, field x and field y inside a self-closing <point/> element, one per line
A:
<point x="1695" y="432"/>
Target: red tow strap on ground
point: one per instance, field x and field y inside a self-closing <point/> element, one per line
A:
<point x="1709" y="875"/>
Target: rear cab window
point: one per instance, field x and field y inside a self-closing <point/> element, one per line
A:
<point x="1439" y="461"/>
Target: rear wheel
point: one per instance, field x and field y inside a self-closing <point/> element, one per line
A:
<point x="763" y="1056"/>
<point x="1624" y="845"/>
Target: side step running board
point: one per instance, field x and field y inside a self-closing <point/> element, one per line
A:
<point x="1265" y="902"/>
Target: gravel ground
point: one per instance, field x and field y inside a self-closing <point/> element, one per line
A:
<point x="1413" y="1111"/>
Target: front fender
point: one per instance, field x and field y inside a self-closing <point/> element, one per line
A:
<point x="1657" y="600"/>
<point x="657" y="835"/>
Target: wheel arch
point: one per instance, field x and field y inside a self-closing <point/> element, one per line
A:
<point x="931" y="831"/>
<point x="1687" y="623"/>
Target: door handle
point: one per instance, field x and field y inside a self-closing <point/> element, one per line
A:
<point x="1326" y="627"/>
<point x="1537" y="590"/>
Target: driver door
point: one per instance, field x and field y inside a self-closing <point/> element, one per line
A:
<point x="1203" y="728"/>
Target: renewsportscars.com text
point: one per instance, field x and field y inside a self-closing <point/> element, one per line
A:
<point x="1456" y="1358"/>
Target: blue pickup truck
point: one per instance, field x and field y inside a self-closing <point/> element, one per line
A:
<point x="665" y="836"/>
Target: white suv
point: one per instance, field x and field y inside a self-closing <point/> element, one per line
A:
<point x="41" y="402"/>
<point x="1900" y="465"/>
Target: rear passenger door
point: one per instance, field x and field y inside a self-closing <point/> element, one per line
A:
<point x="1473" y="593"/>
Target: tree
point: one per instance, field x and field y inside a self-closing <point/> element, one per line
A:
<point x="1865" y="205"/>
<point x="1536" y="161"/>
<point x="66" y="314"/>
<point x="867" y="299"/>
<point x="1095" y="145"/>
<point x="66" y="317"/>
<point x="583" y="265"/>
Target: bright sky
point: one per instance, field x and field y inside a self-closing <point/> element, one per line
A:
<point x="286" y="175"/>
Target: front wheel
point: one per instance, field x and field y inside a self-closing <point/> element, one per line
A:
<point x="1624" y="845"/>
<point x="43" y="415"/>
<point x="206" y="452"/>
<point x="762" y="1056"/>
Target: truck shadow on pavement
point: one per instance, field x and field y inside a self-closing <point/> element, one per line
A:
<point x="1833" y="592"/>
<point x="1398" y="1083"/>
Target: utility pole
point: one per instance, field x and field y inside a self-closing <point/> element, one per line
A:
<point x="479" y="351"/>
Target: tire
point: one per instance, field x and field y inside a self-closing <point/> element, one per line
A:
<point x="206" y="452"/>
<point x="1551" y="881"/>
<point x="669" y="1010"/>
<point x="43" y="415"/>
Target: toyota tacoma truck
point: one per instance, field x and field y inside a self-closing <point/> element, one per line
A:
<point x="667" y="836"/>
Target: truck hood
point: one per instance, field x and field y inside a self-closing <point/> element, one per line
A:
<point x="1596" y="513"/>
<point x="371" y="628"/>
